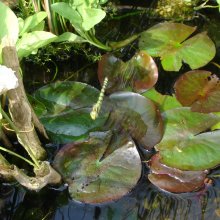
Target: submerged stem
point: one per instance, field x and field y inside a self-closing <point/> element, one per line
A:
<point x="17" y="155"/>
<point x="10" y="122"/>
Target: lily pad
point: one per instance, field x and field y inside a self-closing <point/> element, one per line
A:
<point x="93" y="179"/>
<point x="68" y="106"/>
<point x="169" y="42"/>
<point x="138" y="74"/>
<point x="184" y="146"/>
<point x="199" y="89"/>
<point x="140" y="117"/>
<point x="174" y="180"/>
<point x="164" y="102"/>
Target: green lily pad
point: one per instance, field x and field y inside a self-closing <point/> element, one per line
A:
<point x="169" y="42"/>
<point x="93" y="179"/>
<point x="68" y="106"/>
<point x="138" y="74"/>
<point x="139" y="116"/>
<point x="174" y="180"/>
<point x="199" y="89"/>
<point x="164" y="102"/>
<point x="184" y="146"/>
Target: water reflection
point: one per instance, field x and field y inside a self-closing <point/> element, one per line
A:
<point x="145" y="202"/>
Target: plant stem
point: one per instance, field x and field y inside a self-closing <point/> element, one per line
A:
<point x="94" y="41"/>
<point x="17" y="155"/>
<point x="17" y="131"/>
<point x="123" y="43"/>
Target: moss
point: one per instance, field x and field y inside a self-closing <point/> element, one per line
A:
<point x="176" y="9"/>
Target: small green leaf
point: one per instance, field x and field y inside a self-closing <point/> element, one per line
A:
<point x="91" y="17"/>
<point x="32" y="21"/>
<point x="32" y="41"/>
<point x="9" y="23"/>
<point x="184" y="146"/>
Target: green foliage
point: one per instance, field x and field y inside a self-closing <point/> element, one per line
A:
<point x="30" y="42"/>
<point x="30" y="30"/>
<point x="68" y="106"/>
<point x="164" y="102"/>
<point x="186" y="145"/>
<point x="30" y="23"/>
<point x="9" y="23"/>
<point x="169" y="42"/>
<point x="83" y="15"/>
<point x="218" y="1"/>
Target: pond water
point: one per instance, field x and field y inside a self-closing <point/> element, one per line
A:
<point x="144" y="202"/>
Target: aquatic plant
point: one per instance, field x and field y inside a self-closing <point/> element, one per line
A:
<point x="186" y="149"/>
<point x="170" y="42"/>
<point x="22" y="119"/>
<point x="104" y="147"/>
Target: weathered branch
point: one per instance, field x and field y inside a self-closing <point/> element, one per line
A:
<point x="19" y="108"/>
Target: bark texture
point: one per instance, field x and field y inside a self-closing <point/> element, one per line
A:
<point x="20" y="109"/>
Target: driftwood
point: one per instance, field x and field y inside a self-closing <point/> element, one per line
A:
<point x="20" y="110"/>
<point x="25" y="121"/>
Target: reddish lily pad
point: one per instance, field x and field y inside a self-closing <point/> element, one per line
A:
<point x="186" y="145"/>
<point x="174" y="180"/>
<point x="199" y="89"/>
<point x="140" y="117"/>
<point x="169" y="42"/>
<point x="94" y="179"/>
<point x="138" y="74"/>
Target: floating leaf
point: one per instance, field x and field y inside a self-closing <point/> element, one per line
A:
<point x="138" y="74"/>
<point x="164" y="102"/>
<point x="139" y="116"/>
<point x="72" y="125"/>
<point x="9" y="23"/>
<point x="184" y="146"/>
<point x="168" y="41"/>
<point x="200" y="90"/>
<point x="68" y="107"/>
<point x="33" y="41"/>
<point x="174" y="180"/>
<point x="93" y="179"/>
